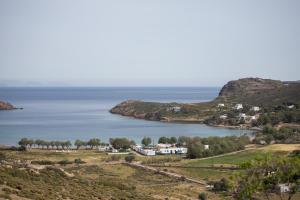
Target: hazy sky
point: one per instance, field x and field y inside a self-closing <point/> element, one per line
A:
<point x="147" y="43"/>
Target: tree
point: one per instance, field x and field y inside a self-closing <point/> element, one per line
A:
<point x="182" y="140"/>
<point x="68" y="144"/>
<point x="265" y="175"/>
<point x="120" y="143"/>
<point x="173" y="140"/>
<point x="52" y="143"/>
<point x="57" y="144"/>
<point x="23" y="142"/>
<point x="78" y="144"/>
<point x="195" y="148"/>
<point x="38" y="143"/>
<point x="263" y="119"/>
<point x="47" y="144"/>
<point x="30" y="143"/>
<point x="163" y="140"/>
<point x="146" y="141"/>
<point x="94" y="142"/>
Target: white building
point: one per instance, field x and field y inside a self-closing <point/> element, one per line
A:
<point x="141" y="150"/>
<point x="103" y="148"/>
<point x="114" y="150"/>
<point x="238" y="106"/>
<point x="255" y="108"/>
<point x="176" y="109"/>
<point x="160" y="145"/>
<point x="206" y="146"/>
<point x="173" y="150"/>
<point x="147" y="152"/>
<point x="284" y="188"/>
<point x="242" y="115"/>
<point x="221" y="105"/>
<point x="223" y="116"/>
<point x="253" y="117"/>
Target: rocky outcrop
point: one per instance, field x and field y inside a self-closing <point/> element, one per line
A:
<point x="6" y="106"/>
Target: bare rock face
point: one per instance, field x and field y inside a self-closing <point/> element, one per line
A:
<point x="6" y="106"/>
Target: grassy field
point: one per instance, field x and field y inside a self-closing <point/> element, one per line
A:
<point x="102" y="177"/>
<point x="98" y="178"/>
<point x="189" y="167"/>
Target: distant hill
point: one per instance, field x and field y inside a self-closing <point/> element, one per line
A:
<point x="264" y="93"/>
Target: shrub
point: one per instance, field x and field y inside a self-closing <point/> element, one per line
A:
<point x="129" y="158"/>
<point x="202" y="196"/>
<point x="2" y="156"/>
<point x="295" y="153"/>
<point x="65" y="162"/>
<point x="79" y="161"/>
<point x="42" y="162"/>
<point x="221" y="186"/>
<point x="114" y="158"/>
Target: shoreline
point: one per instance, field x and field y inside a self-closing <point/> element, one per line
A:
<point x="191" y="121"/>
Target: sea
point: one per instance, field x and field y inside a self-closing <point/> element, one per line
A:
<point x="70" y="113"/>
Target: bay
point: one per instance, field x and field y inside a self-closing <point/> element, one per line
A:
<point x="70" y="113"/>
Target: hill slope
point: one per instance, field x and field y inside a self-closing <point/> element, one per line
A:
<point x="256" y="91"/>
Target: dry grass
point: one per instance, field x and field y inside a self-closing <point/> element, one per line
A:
<point x="281" y="147"/>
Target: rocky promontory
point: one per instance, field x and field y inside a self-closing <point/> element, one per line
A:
<point x="269" y="96"/>
<point x="6" y="106"/>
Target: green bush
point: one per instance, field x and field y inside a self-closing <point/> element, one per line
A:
<point x="79" y="161"/>
<point x="42" y="162"/>
<point x="202" y="196"/>
<point x="65" y="162"/>
<point x="129" y="158"/>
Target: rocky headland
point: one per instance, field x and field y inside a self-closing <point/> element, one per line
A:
<point x="6" y="106"/>
<point x="265" y="94"/>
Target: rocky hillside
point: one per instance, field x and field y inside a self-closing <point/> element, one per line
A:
<point x="5" y="106"/>
<point x="264" y="93"/>
<point x="257" y="91"/>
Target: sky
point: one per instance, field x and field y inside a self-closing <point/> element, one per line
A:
<point x="147" y="43"/>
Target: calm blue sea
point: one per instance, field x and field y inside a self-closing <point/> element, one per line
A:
<point x="82" y="113"/>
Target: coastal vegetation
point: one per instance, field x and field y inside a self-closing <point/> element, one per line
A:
<point x="284" y="135"/>
<point x="215" y="145"/>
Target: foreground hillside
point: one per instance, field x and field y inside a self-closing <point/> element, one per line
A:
<point x="256" y="97"/>
<point x="40" y="173"/>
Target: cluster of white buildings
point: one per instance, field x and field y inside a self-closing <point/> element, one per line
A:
<point x="162" y="149"/>
<point x="243" y="116"/>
